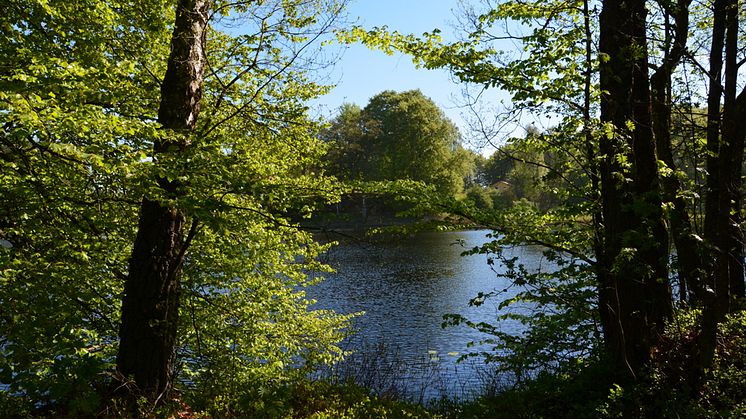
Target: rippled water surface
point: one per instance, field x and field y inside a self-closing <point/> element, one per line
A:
<point x="405" y="286"/>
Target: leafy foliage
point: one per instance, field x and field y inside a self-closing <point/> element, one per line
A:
<point x="399" y="136"/>
<point x="554" y="301"/>
<point x="72" y="170"/>
<point x="79" y="94"/>
<point x="78" y="99"/>
<point x="589" y="389"/>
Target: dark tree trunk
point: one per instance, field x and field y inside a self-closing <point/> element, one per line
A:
<point x="713" y="120"/>
<point x="729" y="275"/>
<point x="593" y="173"/>
<point x="150" y="305"/>
<point x="634" y="297"/>
<point x="725" y="142"/>
<point x="689" y="250"/>
<point x="709" y="316"/>
<point x="737" y="239"/>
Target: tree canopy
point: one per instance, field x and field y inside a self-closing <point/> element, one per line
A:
<point x="399" y="136"/>
<point x="171" y="128"/>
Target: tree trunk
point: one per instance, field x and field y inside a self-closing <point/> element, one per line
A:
<point x="725" y="142"/>
<point x="713" y="119"/>
<point x="634" y="297"/>
<point x="737" y="278"/>
<point x="593" y="170"/>
<point x="150" y="305"/>
<point x="689" y="250"/>
<point x="729" y="275"/>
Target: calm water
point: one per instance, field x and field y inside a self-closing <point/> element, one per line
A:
<point x="405" y="286"/>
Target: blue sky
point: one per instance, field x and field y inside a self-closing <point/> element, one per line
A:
<point x="362" y="73"/>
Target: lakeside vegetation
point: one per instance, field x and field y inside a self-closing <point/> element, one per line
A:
<point x="159" y="166"/>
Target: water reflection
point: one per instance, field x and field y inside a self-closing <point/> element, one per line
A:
<point x="405" y="286"/>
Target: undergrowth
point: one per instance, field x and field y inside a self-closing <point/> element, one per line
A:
<point x="667" y="390"/>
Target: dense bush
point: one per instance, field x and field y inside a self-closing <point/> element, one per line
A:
<point x="668" y="389"/>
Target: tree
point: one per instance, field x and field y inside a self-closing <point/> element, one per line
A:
<point x="150" y="305"/>
<point x="399" y="136"/>
<point x="196" y="155"/>
<point x="725" y="145"/>
<point x="615" y="127"/>
<point x="634" y="295"/>
<point x="348" y="135"/>
<point x="498" y="166"/>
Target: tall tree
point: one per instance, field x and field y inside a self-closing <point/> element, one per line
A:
<point x="118" y="126"/>
<point x="399" y="135"/>
<point x="729" y="240"/>
<point x="348" y="137"/>
<point x="725" y="145"/>
<point x="77" y="96"/>
<point x="689" y="250"/>
<point x="150" y="306"/>
<point x="634" y="296"/>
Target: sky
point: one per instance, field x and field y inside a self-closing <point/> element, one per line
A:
<point x="362" y="73"/>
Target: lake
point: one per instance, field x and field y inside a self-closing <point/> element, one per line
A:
<point x="405" y="285"/>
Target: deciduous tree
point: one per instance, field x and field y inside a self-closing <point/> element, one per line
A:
<point x="184" y="131"/>
<point x="399" y="136"/>
<point x="615" y="127"/>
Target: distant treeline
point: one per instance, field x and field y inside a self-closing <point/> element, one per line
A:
<point x="405" y="136"/>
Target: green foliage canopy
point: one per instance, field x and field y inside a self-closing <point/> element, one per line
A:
<point x="79" y="94"/>
<point x="399" y="135"/>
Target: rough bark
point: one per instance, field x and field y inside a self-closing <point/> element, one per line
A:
<point x="688" y="247"/>
<point x="725" y="142"/>
<point x="729" y="275"/>
<point x="713" y="119"/>
<point x="634" y="297"/>
<point x="150" y="304"/>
